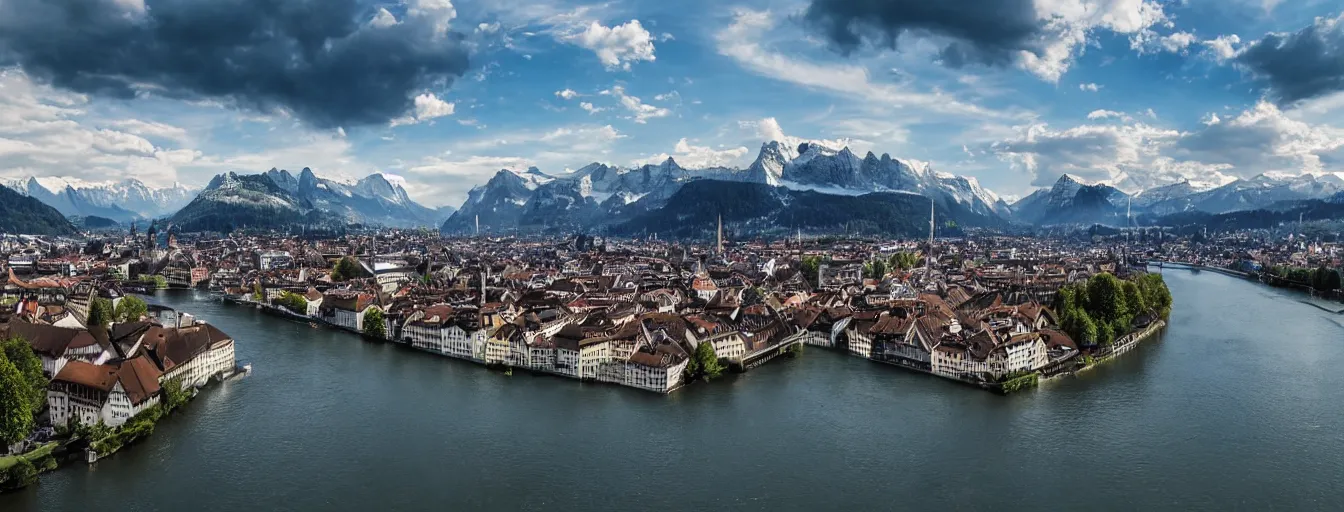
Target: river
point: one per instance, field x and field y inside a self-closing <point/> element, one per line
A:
<point x="1238" y="405"/>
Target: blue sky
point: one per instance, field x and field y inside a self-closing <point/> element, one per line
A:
<point x="1134" y="92"/>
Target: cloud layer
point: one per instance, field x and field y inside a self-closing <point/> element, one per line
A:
<point x="316" y="59"/>
<point x="1300" y="65"/>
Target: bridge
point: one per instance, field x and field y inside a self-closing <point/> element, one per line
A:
<point x="764" y="355"/>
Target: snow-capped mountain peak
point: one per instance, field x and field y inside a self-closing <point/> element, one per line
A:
<point x="121" y="200"/>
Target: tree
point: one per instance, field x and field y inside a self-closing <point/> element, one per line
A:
<point x="100" y="313"/>
<point x="904" y="260"/>
<point x="704" y="364"/>
<point x="1086" y="329"/>
<point x="130" y="309"/>
<point x="1325" y="279"/>
<point x="173" y="393"/>
<point x="1133" y="297"/>
<point x="875" y="269"/>
<point x="810" y="266"/>
<point x="346" y="269"/>
<point x="374" y="325"/>
<point x="1105" y="298"/>
<point x="21" y="474"/>
<point x="20" y="353"/>
<point x="293" y="302"/>
<point x="16" y="413"/>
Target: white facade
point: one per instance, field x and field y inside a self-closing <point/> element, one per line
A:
<point x="651" y="378"/>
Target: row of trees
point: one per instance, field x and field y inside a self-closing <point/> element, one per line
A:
<point x="900" y="261"/>
<point x="1322" y="279"/>
<point x="23" y="389"/>
<point x="293" y="302"/>
<point x="1104" y="308"/>
<point x="128" y="309"/>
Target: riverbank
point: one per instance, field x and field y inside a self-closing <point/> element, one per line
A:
<point x="1271" y="281"/>
<point x="1119" y="348"/>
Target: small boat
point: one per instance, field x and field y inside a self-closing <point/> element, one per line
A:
<point x="312" y="324"/>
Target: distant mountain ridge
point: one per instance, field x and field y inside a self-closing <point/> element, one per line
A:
<point x="600" y="195"/>
<point x="1074" y="201"/>
<point x="277" y="198"/>
<point x="123" y="201"/>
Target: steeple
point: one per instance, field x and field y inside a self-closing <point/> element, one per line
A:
<point x="928" y="260"/>
<point x="720" y="245"/>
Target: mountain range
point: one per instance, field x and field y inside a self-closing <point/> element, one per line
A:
<point x="600" y="196"/>
<point x="1074" y="201"/>
<point x="123" y="201"/>
<point x="278" y="198"/>
<point x="613" y="199"/>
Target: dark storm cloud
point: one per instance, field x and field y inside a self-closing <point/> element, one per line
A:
<point x="1300" y="65"/>
<point x="983" y="31"/>
<point x="315" y="58"/>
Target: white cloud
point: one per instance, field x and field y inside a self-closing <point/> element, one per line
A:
<point x="438" y="13"/>
<point x="768" y="129"/>
<point x="698" y="157"/>
<point x="1134" y="155"/>
<point x="446" y="178"/>
<point x="1089" y="87"/>
<point x="1069" y="23"/>
<point x="1148" y="41"/>
<point x="567" y="94"/>
<point x="616" y="46"/>
<point x="588" y="107"/>
<point x="152" y="129"/>
<point x="1107" y="114"/>
<point x="427" y="107"/>
<point x="641" y="111"/>
<point x="383" y="19"/>
<point x="668" y="96"/>
<point x="742" y="42"/>
<point x="1223" y="48"/>
<point x="47" y="132"/>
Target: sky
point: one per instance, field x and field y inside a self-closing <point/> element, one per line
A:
<point x="441" y="94"/>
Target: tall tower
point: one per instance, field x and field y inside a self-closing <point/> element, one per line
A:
<point x="928" y="261"/>
<point x="720" y="245"/>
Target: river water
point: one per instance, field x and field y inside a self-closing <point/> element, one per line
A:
<point x="1239" y="405"/>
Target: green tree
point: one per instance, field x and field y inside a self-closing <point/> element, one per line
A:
<point x="904" y="260"/>
<point x="1105" y="298"/>
<point x="1086" y="331"/>
<point x="100" y="312"/>
<point x="16" y="413"/>
<point x="875" y="269"/>
<point x="1155" y="294"/>
<point x="1134" y="297"/>
<point x="346" y="269"/>
<point x="173" y="394"/>
<point x="704" y="364"/>
<point x="809" y="266"/>
<point x="129" y="309"/>
<point x="374" y="325"/>
<point x="20" y="353"/>
<point x="293" y="302"/>
<point x="21" y="474"/>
